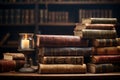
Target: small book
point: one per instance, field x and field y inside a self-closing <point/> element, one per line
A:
<point x="13" y="56"/>
<point x="11" y="65"/>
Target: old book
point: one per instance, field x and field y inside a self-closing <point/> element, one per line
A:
<point x="61" y="68"/>
<point x="80" y="26"/>
<point x="13" y="56"/>
<point x="64" y="51"/>
<point x="102" y="68"/>
<point x="62" y="60"/>
<point x="100" y="26"/>
<point x="61" y="41"/>
<point x="11" y="65"/>
<point x="106" y="51"/>
<point x="105" y="42"/>
<point x="99" y="34"/>
<point x="100" y="59"/>
<point x="99" y="20"/>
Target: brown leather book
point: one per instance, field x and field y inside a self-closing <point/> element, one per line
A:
<point x="99" y="34"/>
<point x="61" y="68"/>
<point x="106" y="51"/>
<point x="99" y="59"/>
<point x="101" y="26"/>
<point x="13" y="56"/>
<point x="99" y="20"/>
<point x="11" y="65"/>
<point x="105" y="42"/>
<point x="61" y="41"/>
<point x="62" y="60"/>
<point x="102" y="68"/>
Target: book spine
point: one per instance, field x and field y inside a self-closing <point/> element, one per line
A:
<point x="64" y="51"/>
<point x="105" y="42"/>
<point x="61" y="41"/>
<point x="61" y="68"/>
<point x="106" y="51"/>
<point x="99" y="34"/>
<point x="105" y="59"/>
<point x="63" y="60"/>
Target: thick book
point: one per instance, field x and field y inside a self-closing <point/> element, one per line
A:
<point x="99" y="20"/>
<point x="95" y="26"/>
<point x="62" y="60"/>
<point x="101" y="26"/>
<point x="11" y="65"/>
<point x="61" y="41"/>
<point x="105" y="42"/>
<point x="62" y="68"/>
<point x="102" y="68"/>
<point x="64" y="51"/>
<point x="13" y="56"/>
<point x="100" y="59"/>
<point x="106" y="50"/>
<point x="99" y="34"/>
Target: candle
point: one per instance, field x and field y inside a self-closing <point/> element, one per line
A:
<point x="25" y="43"/>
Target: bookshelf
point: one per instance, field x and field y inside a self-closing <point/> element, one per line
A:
<point x="49" y="16"/>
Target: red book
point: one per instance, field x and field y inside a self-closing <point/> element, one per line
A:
<point x="61" y="41"/>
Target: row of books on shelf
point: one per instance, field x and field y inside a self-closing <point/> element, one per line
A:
<point x="59" y="1"/>
<point x="17" y="16"/>
<point x="26" y="16"/>
<point x="97" y="13"/>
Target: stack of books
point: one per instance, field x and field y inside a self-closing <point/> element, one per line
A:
<point x="102" y="33"/>
<point x="62" y="54"/>
<point x="12" y="62"/>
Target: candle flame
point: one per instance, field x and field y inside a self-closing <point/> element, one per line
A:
<point x="25" y="36"/>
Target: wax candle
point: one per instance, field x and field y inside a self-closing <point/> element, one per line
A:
<point x="25" y="43"/>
